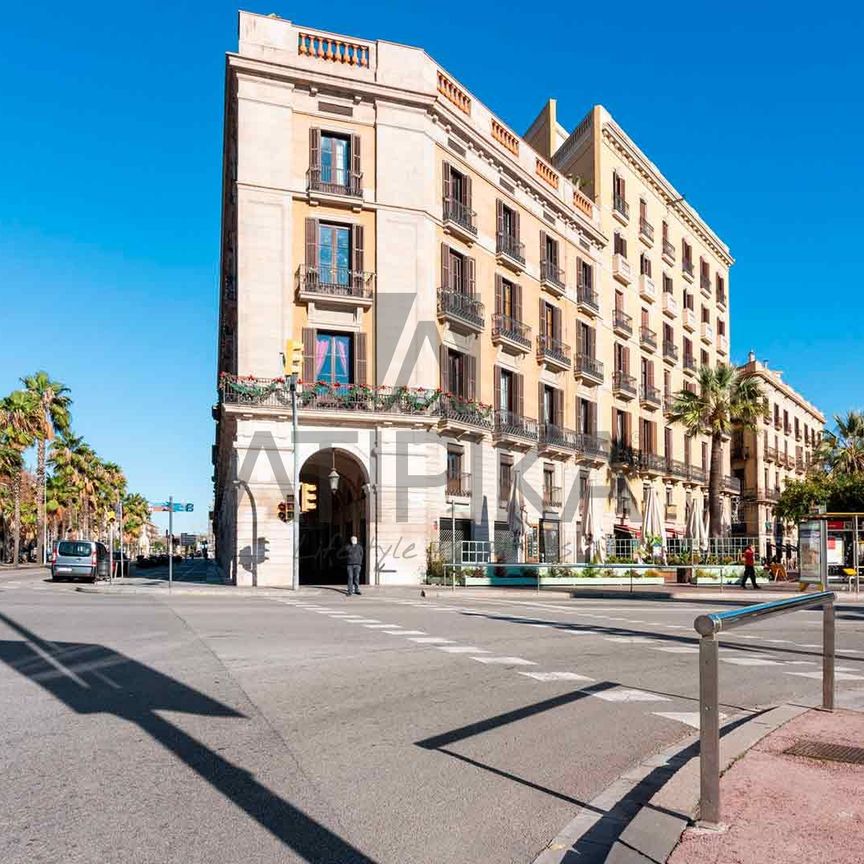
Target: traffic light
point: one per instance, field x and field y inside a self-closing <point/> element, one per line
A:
<point x="286" y="509"/>
<point x="293" y="357"/>
<point x="308" y="497"/>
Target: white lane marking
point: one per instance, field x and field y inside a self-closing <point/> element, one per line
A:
<point x="555" y="676"/>
<point x="631" y="640"/>
<point x="379" y="626"/>
<point x="405" y="632"/>
<point x="462" y="649"/>
<point x="573" y="632"/>
<point x="807" y="645"/>
<point x="347" y="617"/>
<point x="547" y="626"/>
<point x="845" y="650"/>
<point x="430" y="640"/>
<point x="749" y="661"/>
<point x="365" y="621"/>
<point x="838" y="676"/>
<point x="779" y="641"/>
<point x="677" y="649"/>
<point x="800" y="662"/>
<point x="505" y="661"/>
<point x="627" y="694"/>
<point x="690" y="718"/>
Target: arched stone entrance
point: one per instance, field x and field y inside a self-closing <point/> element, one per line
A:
<point x="327" y="526"/>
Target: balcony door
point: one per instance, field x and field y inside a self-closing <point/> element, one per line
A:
<point x="335" y="159"/>
<point x="333" y="358"/>
<point x="334" y="254"/>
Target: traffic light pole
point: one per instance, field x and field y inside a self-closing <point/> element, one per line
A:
<point x="295" y="490"/>
<point x="170" y="541"/>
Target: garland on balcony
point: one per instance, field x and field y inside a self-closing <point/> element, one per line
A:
<point x="252" y="387"/>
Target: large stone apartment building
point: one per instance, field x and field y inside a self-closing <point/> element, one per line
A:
<point x="476" y="308"/>
<point x="764" y="459"/>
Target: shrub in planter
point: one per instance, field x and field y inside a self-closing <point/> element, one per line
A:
<point x="530" y="572"/>
<point x="590" y="572"/>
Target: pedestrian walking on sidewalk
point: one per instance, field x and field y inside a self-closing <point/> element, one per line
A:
<point x="749" y="569"/>
<point x="354" y="561"/>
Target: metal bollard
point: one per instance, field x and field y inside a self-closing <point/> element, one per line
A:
<point x="828" y="656"/>
<point x="709" y="732"/>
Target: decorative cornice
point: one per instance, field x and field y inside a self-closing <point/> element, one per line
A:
<point x="544" y="172"/>
<point x="505" y="137"/>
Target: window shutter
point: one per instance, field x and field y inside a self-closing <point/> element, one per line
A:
<point x="355" y="160"/>
<point x="497" y="380"/>
<point x="499" y="295"/>
<point x="315" y="152"/>
<point x="360" y="358"/>
<point x="471" y="285"/>
<point x="499" y="211"/>
<point x="541" y="402"/>
<point x="516" y="302"/>
<point x="445" y="267"/>
<point x="312" y="248"/>
<point x="627" y="361"/>
<point x="579" y="347"/>
<point x="308" y="353"/>
<point x="650" y="374"/>
<point x="519" y="394"/>
<point x="559" y="406"/>
<point x="542" y="317"/>
<point x="357" y="232"/>
<point x="556" y="324"/>
<point x="445" y="173"/>
<point x="516" y="234"/>
<point x="443" y="360"/>
<point x="470" y="377"/>
<point x="466" y="185"/>
<point x="542" y="247"/>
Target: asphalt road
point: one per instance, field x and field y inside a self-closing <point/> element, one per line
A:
<point x="381" y="728"/>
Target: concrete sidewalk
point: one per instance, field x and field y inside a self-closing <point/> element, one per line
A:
<point x="780" y="807"/>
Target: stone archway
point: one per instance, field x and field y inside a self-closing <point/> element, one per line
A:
<point x="327" y="526"/>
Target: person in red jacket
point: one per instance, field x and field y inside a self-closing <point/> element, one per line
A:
<point x="749" y="569"/>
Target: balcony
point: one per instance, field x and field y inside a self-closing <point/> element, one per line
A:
<point x="620" y="209"/>
<point x="647" y="338"/>
<point x="622" y="323"/>
<point x="623" y="456"/>
<point x="675" y="469"/>
<point x="552" y="498"/>
<point x="458" y="486"/>
<point x="649" y="397"/>
<point x="510" y="334"/>
<point x="514" y="429"/>
<point x="770" y="454"/>
<point x="705" y="285"/>
<point x="687" y="270"/>
<point x="333" y="186"/>
<point x="721" y="299"/>
<point x="668" y="403"/>
<point x="646" y="231"/>
<point x="670" y="304"/>
<point x="552" y="278"/>
<point x="670" y="352"/>
<point x="624" y="385"/>
<point x="462" y="417"/>
<point x="697" y="475"/>
<point x="459" y="220"/>
<point x="556" y="440"/>
<point x="553" y="352"/>
<point x="592" y="448"/>
<point x="586" y="297"/>
<point x="647" y="289"/>
<point x="732" y="485"/>
<point x="707" y="333"/>
<point x="799" y="464"/>
<point x="510" y="252"/>
<point x="335" y="287"/>
<point x="689" y="319"/>
<point x="723" y="344"/>
<point x="621" y="269"/>
<point x="463" y="312"/>
<point x="689" y="364"/>
<point x="274" y="396"/>
<point x="668" y="252"/>
<point x="588" y="369"/>
<point x="651" y="463"/>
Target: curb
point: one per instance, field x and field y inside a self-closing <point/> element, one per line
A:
<point x="620" y="826"/>
<point x="160" y="590"/>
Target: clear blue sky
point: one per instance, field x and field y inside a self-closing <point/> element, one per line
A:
<point x="754" y="111"/>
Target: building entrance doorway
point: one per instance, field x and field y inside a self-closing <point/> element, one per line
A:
<point x="329" y="519"/>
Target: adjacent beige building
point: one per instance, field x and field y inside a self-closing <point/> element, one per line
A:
<point x="764" y="459"/>
<point x="477" y="308"/>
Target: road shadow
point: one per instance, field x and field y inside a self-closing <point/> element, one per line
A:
<point x="92" y="679"/>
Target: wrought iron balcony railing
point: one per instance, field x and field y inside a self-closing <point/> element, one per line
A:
<point x="461" y="410"/>
<point x="551" y="274"/>
<point x="335" y="282"/>
<point x="622" y="322"/>
<point x="466" y="308"/>
<point x="648" y="338"/>
<point x="559" y="437"/>
<point x="588" y="367"/>
<point x="670" y="350"/>
<point x="669" y="251"/>
<point x="624" y="384"/>
<point x="509" y="424"/>
<point x="334" y="181"/>
<point x="506" y="327"/>
<point x="552" y="497"/>
<point x="458" y="486"/>
<point x="509" y="245"/>
<point x="587" y="298"/>
<point x="554" y="350"/>
<point x="646" y="229"/>
<point x="461" y="214"/>
<point x="650" y="396"/>
<point x="621" y="206"/>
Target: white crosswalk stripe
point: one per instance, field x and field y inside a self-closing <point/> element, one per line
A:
<point x="556" y="676"/>
<point x="627" y="694"/>
<point x="505" y="661"/>
<point x="429" y="640"/>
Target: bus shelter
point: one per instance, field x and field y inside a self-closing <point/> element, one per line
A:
<point x="831" y="549"/>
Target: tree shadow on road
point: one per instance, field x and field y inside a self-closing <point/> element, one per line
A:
<point x="92" y="679"/>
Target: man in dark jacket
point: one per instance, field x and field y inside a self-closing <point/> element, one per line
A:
<point x="354" y="561"/>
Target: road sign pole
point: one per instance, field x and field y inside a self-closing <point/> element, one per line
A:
<point x="170" y="541"/>
<point x="120" y="507"/>
<point x="295" y="491"/>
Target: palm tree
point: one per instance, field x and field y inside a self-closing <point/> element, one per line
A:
<point x="725" y="397"/>
<point x="11" y="466"/>
<point x="67" y="455"/>
<point x="842" y="452"/>
<point x="52" y="416"/>
<point x="18" y="432"/>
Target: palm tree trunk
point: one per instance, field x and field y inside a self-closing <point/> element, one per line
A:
<point x="715" y="487"/>
<point x="16" y="518"/>
<point x="40" y="502"/>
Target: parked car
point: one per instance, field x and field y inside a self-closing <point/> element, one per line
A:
<point x="79" y="559"/>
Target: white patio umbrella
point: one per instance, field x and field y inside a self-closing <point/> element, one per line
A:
<point x="695" y="528"/>
<point x="653" y="526"/>
<point x="592" y="537"/>
<point x="517" y="517"/>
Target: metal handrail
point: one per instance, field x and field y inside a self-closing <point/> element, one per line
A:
<point x="708" y="626"/>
